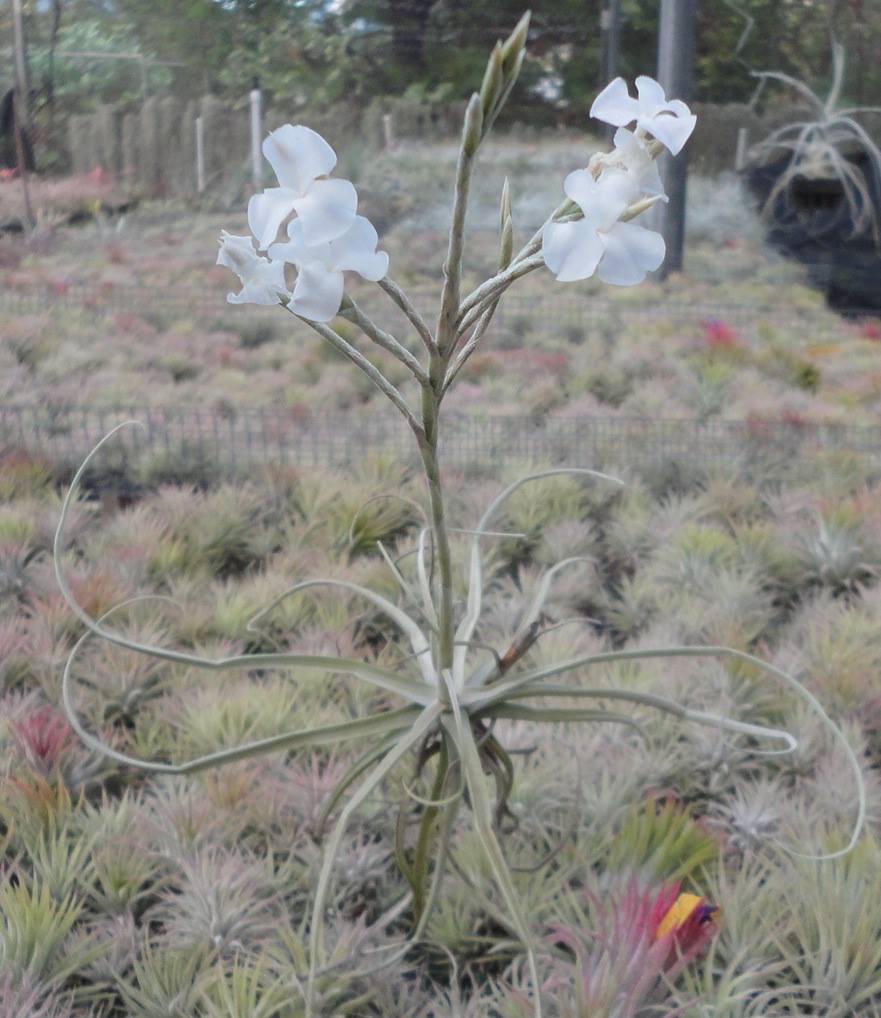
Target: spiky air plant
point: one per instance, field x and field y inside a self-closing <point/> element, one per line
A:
<point x="822" y="146"/>
<point x="452" y="689"/>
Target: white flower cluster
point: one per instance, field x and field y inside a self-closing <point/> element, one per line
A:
<point x="618" y="252"/>
<point x="326" y="239"/>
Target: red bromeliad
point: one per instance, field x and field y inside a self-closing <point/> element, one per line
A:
<point x="640" y="935"/>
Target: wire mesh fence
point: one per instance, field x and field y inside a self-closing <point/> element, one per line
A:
<point x="197" y="444"/>
<point x="570" y="316"/>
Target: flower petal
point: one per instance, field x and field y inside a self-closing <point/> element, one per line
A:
<point x="614" y="192"/>
<point x="326" y="210"/>
<point x="630" y="252"/>
<point x="571" y="250"/>
<point x="580" y="187"/>
<point x="263" y="281"/>
<point x="317" y="293"/>
<point x="671" y="130"/>
<point x="678" y="108"/>
<point x="638" y="163"/>
<point x="256" y="293"/>
<point x="297" y="252"/>
<point x="614" y="105"/>
<point x="356" y="251"/>
<point x="602" y="201"/>
<point x="236" y="253"/>
<point x="267" y="211"/>
<point x="298" y="155"/>
<point x="651" y="96"/>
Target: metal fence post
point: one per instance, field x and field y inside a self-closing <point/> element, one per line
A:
<point x="200" y="155"/>
<point x="675" y="73"/>
<point x="256" y="136"/>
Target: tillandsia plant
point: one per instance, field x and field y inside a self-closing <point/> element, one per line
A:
<point x="455" y="688"/>
<point x="828" y="144"/>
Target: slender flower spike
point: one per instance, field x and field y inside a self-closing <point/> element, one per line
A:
<point x="620" y="253"/>
<point x="670" y="122"/>
<point x="301" y="159"/>
<point x="320" y="282"/>
<point x="263" y="281"/>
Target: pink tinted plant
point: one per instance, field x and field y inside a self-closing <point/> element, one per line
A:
<point x="640" y="936"/>
<point x="43" y="736"/>
<point x="719" y="335"/>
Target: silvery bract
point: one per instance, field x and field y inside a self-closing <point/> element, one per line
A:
<point x="670" y="122"/>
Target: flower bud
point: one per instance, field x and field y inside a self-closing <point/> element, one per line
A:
<point x="472" y="129"/>
<point x="506" y="245"/>
<point x="493" y="80"/>
<point x="638" y="207"/>
<point x="513" y="47"/>
<point x="505" y="207"/>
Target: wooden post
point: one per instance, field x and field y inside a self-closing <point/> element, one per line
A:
<point x="21" y="159"/>
<point x="256" y="136"/>
<point x="388" y="131"/>
<point x="200" y="155"/>
<point x="20" y="117"/>
<point x="676" y="75"/>
<point x="21" y="67"/>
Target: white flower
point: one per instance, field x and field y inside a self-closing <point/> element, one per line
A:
<point x="320" y="283"/>
<point x="620" y="253"/>
<point x="633" y="157"/>
<point x="263" y="281"/>
<point x="670" y="122"/>
<point x="326" y="208"/>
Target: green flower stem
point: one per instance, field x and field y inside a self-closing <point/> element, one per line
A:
<point x="566" y="207"/>
<point x="431" y="399"/>
<point x="372" y="372"/>
<point x="400" y="298"/>
<point x="385" y="340"/>
<point x="492" y="287"/>
<point x="475" y="305"/>
<point x="446" y="326"/>
<point x="469" y="347"/>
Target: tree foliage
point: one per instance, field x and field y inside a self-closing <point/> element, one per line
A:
<point x="318" y="52"/>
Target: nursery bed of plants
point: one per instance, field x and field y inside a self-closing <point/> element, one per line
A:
<point x="131" y="895"/>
